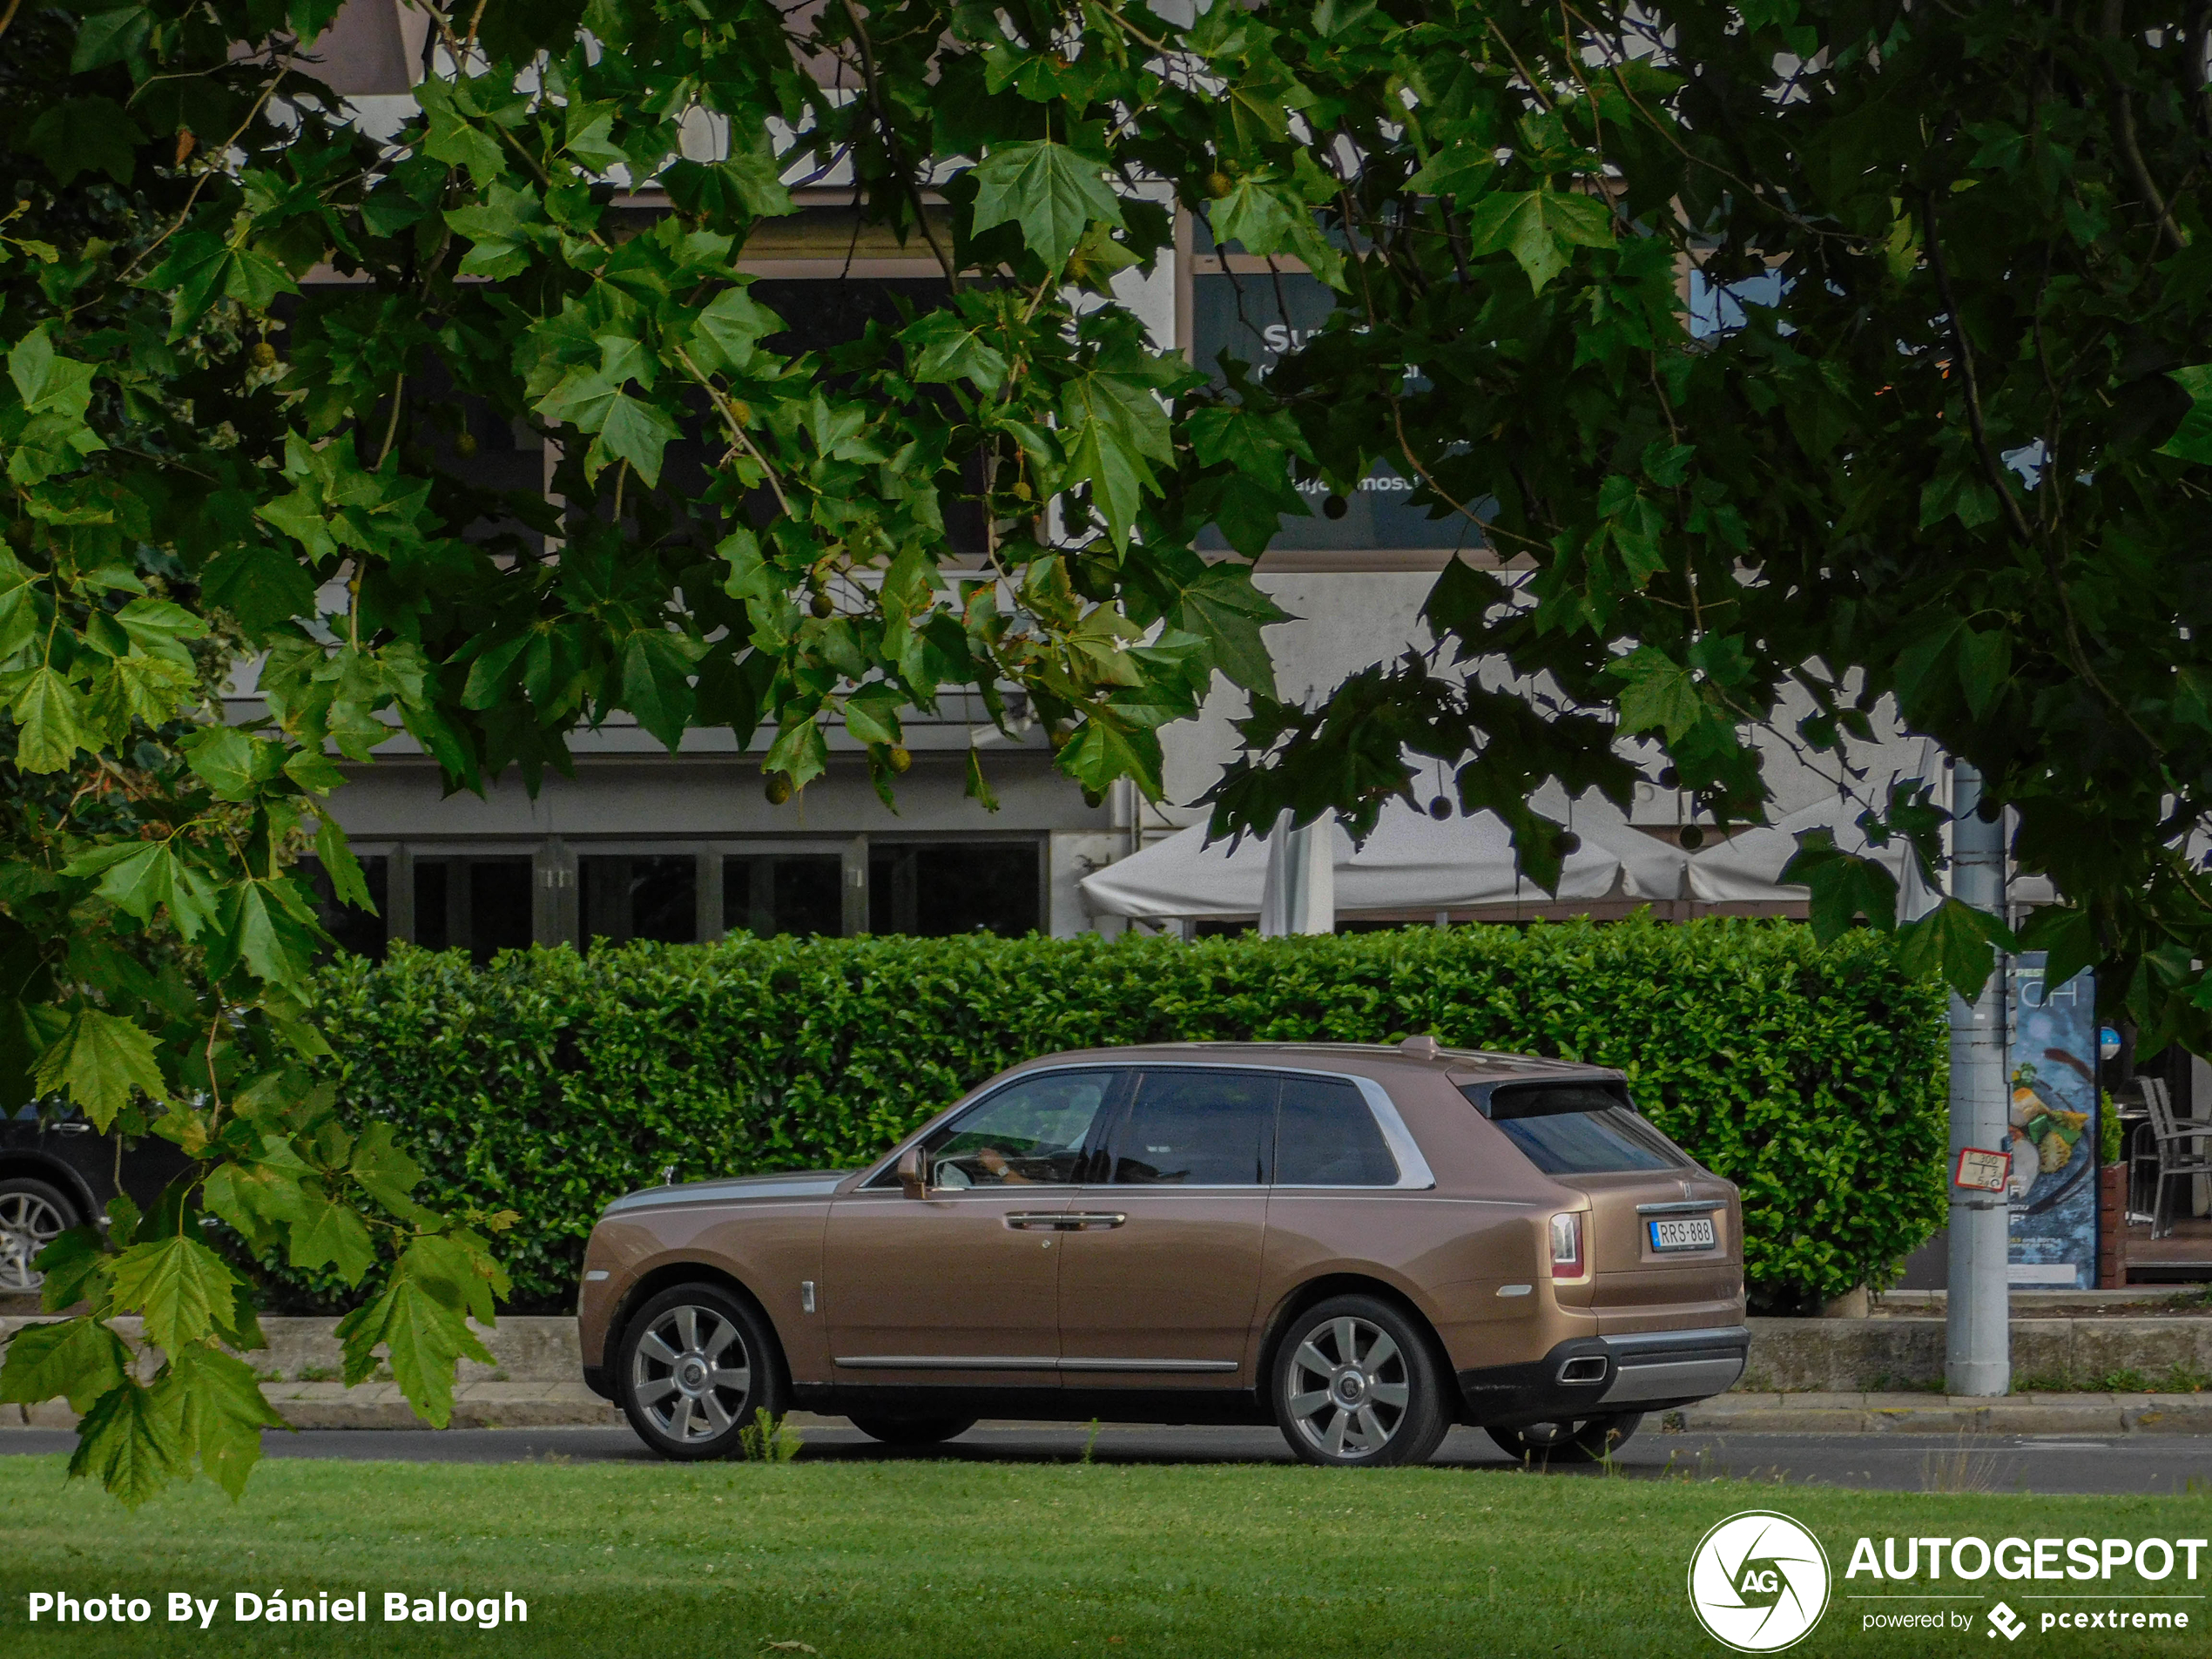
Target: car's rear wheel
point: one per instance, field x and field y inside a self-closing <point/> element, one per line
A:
<point x="912" y="1431"/>
<point x="1355" y="1385"/>
<point x="694" y="1365"/>
<point x="1587" y="1439"/>
<point x="32" y="1216"/>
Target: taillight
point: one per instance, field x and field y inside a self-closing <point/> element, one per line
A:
<point x="1566" y="1245"/>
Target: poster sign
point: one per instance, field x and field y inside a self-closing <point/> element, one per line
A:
<point x="2051" y="1183"/>
<point x="1255" y="317"/>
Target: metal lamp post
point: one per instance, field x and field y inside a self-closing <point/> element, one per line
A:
<point x="1977" y="1338"/>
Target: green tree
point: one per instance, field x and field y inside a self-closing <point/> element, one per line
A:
<point x="1951" y="461"/>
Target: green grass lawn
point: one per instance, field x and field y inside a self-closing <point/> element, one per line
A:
<point x="915" y="1559"/>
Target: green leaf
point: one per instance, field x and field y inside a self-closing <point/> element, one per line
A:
<point x="2192" y="440"/>
<point x="178" y="1284"/>
<point x="1660" y="696"/>
<point x="129" y="1444"/>
<point x="234" y="764"/>
<point x="75" y="1270"/>
<point x="422" y="1333"/>
<point x="1844" y="887"/>
<point x="109" y="37"/>
<point x="329" y="1233"/>
<point x="385" y="1172"/>
<point x="85" y="135"/>
<point x="728" y="329"/>
<point x="657" y="668"/>
<point x="1105" y="748"/>
<point x="335" y="853"/>
<point x="220" y="1411"/>
<point x="74" y="1359"/>
<point x="1537" y="226"/>
<point x="1957" y="943"/>
<point x="1048" y="189"/>
<point x="1115" y="427"/>
<point x="50" y="714"/>
<point x="97" y="1060"/>
<point x="979" y="787"/>
<point x="1224" y="609"/>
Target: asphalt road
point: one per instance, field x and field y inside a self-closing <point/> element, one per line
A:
<point x="1875" y="1462"/>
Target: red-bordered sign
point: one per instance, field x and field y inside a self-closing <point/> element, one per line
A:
<point x="1982" y="1171"/>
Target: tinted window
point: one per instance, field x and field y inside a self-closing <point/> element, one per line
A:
<point x="1195" y="1129"/>
<point x="1579" y="1128"/>
<point x="777" y="893"/>
<point x="938" y="888"/>
<point x="1031" y="1133"/>
<point x="1325" y="1137"/>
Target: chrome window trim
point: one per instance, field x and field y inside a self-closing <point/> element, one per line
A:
<point x="1414" y="1173"/>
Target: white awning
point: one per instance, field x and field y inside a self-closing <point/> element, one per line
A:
<point x="1411" y="862"/>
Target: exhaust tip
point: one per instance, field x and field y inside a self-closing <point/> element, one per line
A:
<point x="1585" y="1368"/>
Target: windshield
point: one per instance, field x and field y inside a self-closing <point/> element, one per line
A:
<point x="1577" y="1129"/>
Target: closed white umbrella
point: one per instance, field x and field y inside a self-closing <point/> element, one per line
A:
<point x="1300" y="893"/>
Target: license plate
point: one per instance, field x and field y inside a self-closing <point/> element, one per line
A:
<point x="1683" y="1235"/>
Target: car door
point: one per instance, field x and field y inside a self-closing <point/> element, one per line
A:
<point x="1160" y="1275"/>
<point x="961" y="1286"/>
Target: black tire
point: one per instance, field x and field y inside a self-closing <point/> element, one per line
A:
<point x="1356" y="1385"/>
<point x="912" y="1431"/>
<point x="689" y="1398"/>
<point x="33" y="1213"/>
<point x="1587" y="1439"/>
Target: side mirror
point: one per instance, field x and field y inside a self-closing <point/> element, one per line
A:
<point x="913" y="1180"/>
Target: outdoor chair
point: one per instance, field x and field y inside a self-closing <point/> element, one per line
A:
<point x="2180" y="1149"/>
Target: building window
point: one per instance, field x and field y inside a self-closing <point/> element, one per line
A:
<point x="625" y="899"/>
<point x="479" y="904"/>
<point x="357" y="931"/>
<point x="938" y="887"/>
<point x="780" y="893"/>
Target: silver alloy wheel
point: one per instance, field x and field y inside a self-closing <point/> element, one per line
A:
<point x="27" y="1224"/>
<point x="1348" y="1387"/>
<point x="679" y="1377"/>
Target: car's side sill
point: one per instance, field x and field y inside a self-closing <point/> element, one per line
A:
<point x="1004" y="1362"/>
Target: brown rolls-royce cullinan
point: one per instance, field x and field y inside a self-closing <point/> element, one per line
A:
<point x="1362" y="1245"/>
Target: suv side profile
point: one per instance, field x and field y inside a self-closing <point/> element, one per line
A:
<point x="1359" y="1245"/>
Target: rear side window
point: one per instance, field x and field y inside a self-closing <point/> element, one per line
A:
<point x="1325" y="1137"/>
<point x="1577" y="1129"/>
<point x="1195" y="1129"/>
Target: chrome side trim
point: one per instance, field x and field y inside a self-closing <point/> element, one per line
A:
<point x="1688" y="1207"/>
<point x="1148" y="1365"/>
<point x="1674" y="1379"/>
<point x="947" y="1362"/>
<point x="1414" y="1173"/>
<point x="993" y="1362"/>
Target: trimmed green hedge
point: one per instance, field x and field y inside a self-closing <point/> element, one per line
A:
<point x="549" y="1084"/>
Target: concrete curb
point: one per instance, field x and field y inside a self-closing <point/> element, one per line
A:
<point x="1834" y="1413"/>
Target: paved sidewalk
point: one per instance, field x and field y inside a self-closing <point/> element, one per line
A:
<point x="540" y="1405"/>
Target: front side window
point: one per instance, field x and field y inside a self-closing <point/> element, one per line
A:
<point x="1578" y="1129"/>
<point x="1033" y="1132"/>
<point x="1195" y="1129"/>
<point x="1325" y="1135"/>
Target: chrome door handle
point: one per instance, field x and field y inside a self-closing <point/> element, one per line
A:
<point x="1045" y="1221"/>
<point x="1062" y="1221"/>
<point x="1092" y="1221"/>
<point x="72" y="1129"/>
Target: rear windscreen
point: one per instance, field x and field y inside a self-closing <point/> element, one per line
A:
<point x="1577" y="1129"/>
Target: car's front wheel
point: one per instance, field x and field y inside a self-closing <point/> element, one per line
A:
<point x="32" y="1216"/>
<point x="912" y="1431"/>
<point x="1355" y="1385"/>
<point x="1587" y="1439"/>
<point x="694" y="1365"/>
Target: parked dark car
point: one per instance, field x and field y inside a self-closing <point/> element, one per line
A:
<point x="56" y="1173"/>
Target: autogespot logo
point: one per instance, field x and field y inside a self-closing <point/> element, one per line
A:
<point x="1759" y="1582"/>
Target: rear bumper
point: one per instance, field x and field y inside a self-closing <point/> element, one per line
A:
<point x="1642" y="1371"/>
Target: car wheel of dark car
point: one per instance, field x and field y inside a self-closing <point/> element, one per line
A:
<point x="32" y="1214"/>
<point x="1589" y="1440"/>
<point x="912" y="1431"/>
<point x="1356" y="1385"/>
<point x="694" y="1365"/>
